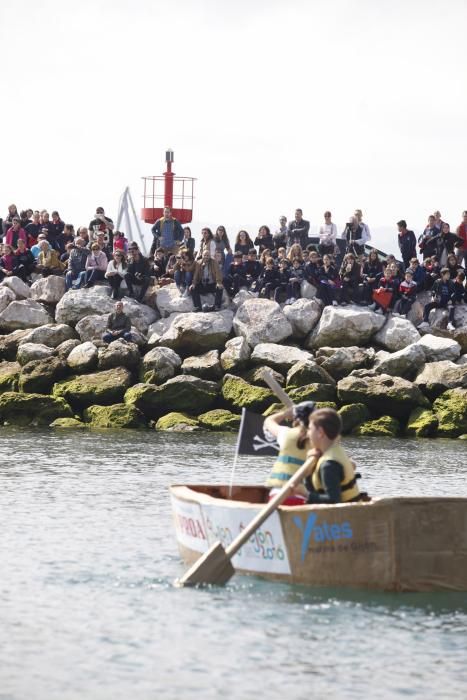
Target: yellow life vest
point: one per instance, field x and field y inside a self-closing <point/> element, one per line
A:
<point x="290" y="458"/>
<point x="349" y="488"/>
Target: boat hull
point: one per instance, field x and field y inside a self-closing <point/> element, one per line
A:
<point x="392" y="544"/>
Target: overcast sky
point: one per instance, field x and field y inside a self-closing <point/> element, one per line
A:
<point x="270" y="104"/>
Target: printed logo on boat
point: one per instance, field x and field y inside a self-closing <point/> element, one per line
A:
<point x="322" y="532"/>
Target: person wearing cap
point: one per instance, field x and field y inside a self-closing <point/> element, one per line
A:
<point x="333" y="479"/>
<point x="293" y="447"/>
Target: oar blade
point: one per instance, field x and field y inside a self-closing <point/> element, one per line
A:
<point x="214" y="566"/>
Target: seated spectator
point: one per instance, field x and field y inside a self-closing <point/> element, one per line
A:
<point x="446" y="241"/>
<point x="281" y="255"/>
<point x="15" y="233"/>
<point x="236" y="276"/>
<point x="252" y="268"/>
<point x="407" y="294"/>
<point x="281" y="291"/>
<point x="385" y="291"/>
<point x="372" y="268"/>
<point x="188" y="242"/>
<point x="264" y="239"/>
<point x="460" y="291"/>
<point x="96" y="267"/>
<point x="418" y="274"/>
<point x="327" y="236"/>
<point x="407" y="242"/>
<point x="184" y="270"/>
<point x="115" y="273"/>
<point x="268" y="280"/>
<point x="7" y="261"/>
<point x="295" y="251"/>
<point x="158" y="264"/>
<point x="297" y="275"/>
<point x="35" y="250"/>
<point x="66" y="236"/>
<point x="243" y="243"/>
<point x="101" y="222"/>
<point x="48" y="262"/>
<point x="83" y="233"/>
<point x="24" y="262"/>
<point x="33" y="229"/>
<point x="103" y="243"/>
<point x="76" y="263"/>
<point x="56" y="228"/>
<point x="138" y="272"/>
<point x="312" y="268"/>
<point x="207" y="279"/>
<point x="120" y="242"/>
<point x="442" y="294"/>
<point x="65" y="256"/>
<point x="350" y="275"/>
<point x="432" y="271"/>
<point x="118" y="324"/>
<point x="452" y="265"/>
<point x="329" y="282"/>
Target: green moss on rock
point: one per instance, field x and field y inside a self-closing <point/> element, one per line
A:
<point x="9" y="376"/>
<point x="118" y="415"/>
<point x="183" y="394"/>
<point x="255" y="376"/>
<point x="177" y="422"/>
<point x="313" y="392"/>
<point x="386" y="426"/>
<point x="39" y="376"/>
<point x="353" y="414"/>
<point x="68" y="423"/>
<point x="422" y="423"/>
<point x="238" y="394"/>
<point x="32" y="409"/>
<point x="451" y="411"/>
<point x="101" y="388"/>
<point x="220" y="419"/>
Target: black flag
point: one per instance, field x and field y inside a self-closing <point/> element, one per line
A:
<point x="253" y="439"/>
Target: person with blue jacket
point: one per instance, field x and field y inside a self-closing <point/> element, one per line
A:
<point x="168" y="234"/>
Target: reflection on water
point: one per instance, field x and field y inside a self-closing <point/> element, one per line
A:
<point x="88" y="560"/>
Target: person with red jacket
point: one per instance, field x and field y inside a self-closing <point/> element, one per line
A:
<point x="461" y="232"/>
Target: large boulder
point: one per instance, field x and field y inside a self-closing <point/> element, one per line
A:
<point x="160" y="364"/>
<point x="67" y="423"/>
<point x="33" y="351"/>
<point x="308" y="372"/>
<point x="303" y="316"/>
<point x="9" y="344"/>
<point x="78" y="303"/>
<point x="238" y="394"/>
<point x="9" y="376"/>
<point x="353" y="414"/>
<point x="52" y="334"/>
<point x="280" y="357"/>
<point x="92" y="328"/>
<point x="307" y="290"/>
<point x="220" y="419"/>
<point x="118" y="415"/>
<point x="396" y="334"/>
<point x="175" y="422"/>
<point x="422" y="422"/>
<point x="313" y="392"/>
<point x="48" y="289"/>
<point x="339" y="362"/>
<point x="451" y="412"/>
<point x="102" y="388"/>
<point x="141" y="315"/>
<point x="170" y="301"/>
<point x="236" y="355"/>
<point x="39" y="376"/>
<point x="385" y="426"/>
<point x="206" y="366"/>
<point x="344" y="326"/>
<point x="255" y="375"/>
<point x="119" y="354"/>
<point x="261" y="321"/>
<point x="191" y="334"/>
<point x="32" y="409"/>
<point x="460" y="336"/>
<point x="23" y="314"/>
<point x="382" y="393"/>
<point x="64" y="349"/>
<point x="6" y="297"/>
<point x="437" y="349"/>
<point x="184" y="394"/>
<point x="19" y="288"/>
<point x="437" y="377"/>
<point x="403" y="363"/>
<point x="415" y="314"/>
<point x="83" y="358"/>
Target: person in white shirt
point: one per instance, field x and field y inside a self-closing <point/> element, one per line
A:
<point x="327" y="236"/>
<point x="366" y="235"/>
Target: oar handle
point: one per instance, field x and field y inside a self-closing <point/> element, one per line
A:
<point x="264" y="514"/>
<point x="277" y="389"/>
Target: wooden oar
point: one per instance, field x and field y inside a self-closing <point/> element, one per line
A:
<point x="276" y="388"/>
<point x="215" y="565"/>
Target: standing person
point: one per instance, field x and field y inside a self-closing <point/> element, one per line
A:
<point x="137" y="272"/>
<point x="353" y="234"/>
<point x="445" y="243"/>
<point x="101" y="222"/>
<point x="443" y="293"/>
<point x="115" y="273"/>
<point x="407" y="243"/>
<point x="438" y="220"/>
<point x="297" y="230"/>
<point x="280" y="234"/>
<point x="293" y="447"/>
<point x="333" y="479"/>
<point x="167" y="233"/>
<point x="15" y="233"/>
<point x="427" y="240"/>
<point x="222" y="242"/>
<point x="8" y="220"/>
<point x="207" y="243"/>
<point x="188" y="242"/>
<point x="118" y="325"/>
<point x="327" y="236"/>
<point x="243" y="242"/>
<point x="366" y="235"/>
<point x="461" y="232"/>
<point x="264" y="239"/>
<point x="207" y="279"/>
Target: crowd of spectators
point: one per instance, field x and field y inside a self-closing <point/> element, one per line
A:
<point x="271" y="265"/>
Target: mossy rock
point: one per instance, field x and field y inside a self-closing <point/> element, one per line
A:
<point x="451" y="411"/>
<point x="9" y="376"/>
<point x="238" y="394"/>
<point x="220" y="419"/>
<point x="462" y="437"/>
<point x="353" y="414"/>
<point x="255" y="376"/>
<point x="101" y="388"/>
<point x="422" y="423"/>
<point x="182" y="394"/>
<point x="32" y="409"/>
<point x="39" y="376"/>
<point x="386" y="426"/>
<point x="273" y="408"/>
<point x="313" y="392"/>
<point x="118" y="415"/>
<point x="68" y="423"/>
<point x="177" y="422"/>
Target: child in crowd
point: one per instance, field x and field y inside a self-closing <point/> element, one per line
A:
<point x="252" y="268"/>
<point x="432" y="271"/>
<point x="297" y="275"/>
<point x="283" y="280"/>
<point x="268" y="279"/>
<point x="372" y="269"/>
<point x="235" y="277"/>
<point x="408" y="292"/>
<point x="350" y="275"/>
<point x="384" y="294"/>
<point x="120" y="242"/>
<point x="329" y="282"/>
<point x="184" y="270"/>
<point x="159" y="264"/>
<point x="312" y="268"/>
<point x="442" y="298"/>
<point x="418" y="274"/>
<point x="264" y="239"/>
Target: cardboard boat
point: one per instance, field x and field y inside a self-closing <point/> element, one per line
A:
<point x="389" y="544"/>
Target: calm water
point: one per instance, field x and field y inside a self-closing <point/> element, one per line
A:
<point x="88" y="558"/>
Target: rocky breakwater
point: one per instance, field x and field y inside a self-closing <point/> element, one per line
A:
<point x="196" y="371"/>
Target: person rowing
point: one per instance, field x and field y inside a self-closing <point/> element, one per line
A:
<point x="293" y="447"/>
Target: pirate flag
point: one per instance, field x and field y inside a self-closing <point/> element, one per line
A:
<point x="253" y="439"/>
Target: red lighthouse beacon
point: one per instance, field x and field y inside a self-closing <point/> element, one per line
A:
<point x="168" y="190"/>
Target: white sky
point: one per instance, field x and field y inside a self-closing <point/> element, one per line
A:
<point x="320" y="104"/>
